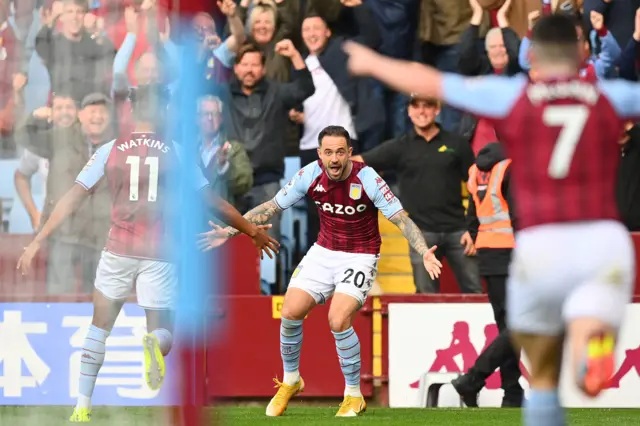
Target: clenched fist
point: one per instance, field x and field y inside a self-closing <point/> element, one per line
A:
<point x="286" y="48"/>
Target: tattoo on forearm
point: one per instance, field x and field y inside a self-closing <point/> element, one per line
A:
<point x="411" y="232"/>
<point x="259" y="215"/>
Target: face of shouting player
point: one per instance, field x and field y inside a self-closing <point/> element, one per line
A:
<point x="95" y="120"/>
<point x="315" y="34"/>
<point x="335" y="153"/>
<point x="250" y="69"/>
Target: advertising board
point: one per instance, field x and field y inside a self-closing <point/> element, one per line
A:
<point x="447" y="337"/>
<point x="40" y="350"/>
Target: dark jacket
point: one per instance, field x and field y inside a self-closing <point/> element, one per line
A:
<point x="367" y="109"/>
<point x="628" y="188"/>
<point x="491" y="261"/>
<point x="398" y="21"/>
<point x="259" y="120"/>
<point x="68" y="151"/>
<point x="82" y="67"/>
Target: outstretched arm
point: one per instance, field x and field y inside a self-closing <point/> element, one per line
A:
<point x="259" y="215"/>
<point x="229" y="214"/>
<point x="411" y="232"/>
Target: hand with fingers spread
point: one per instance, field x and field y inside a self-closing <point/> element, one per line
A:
<point x="431" y="263"/>
<point x="218" y="236"/>
<point x="264" y="242"/>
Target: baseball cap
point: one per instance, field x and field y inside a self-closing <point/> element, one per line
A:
<point x="95" y="99"/>
<point x="414" y="97"/>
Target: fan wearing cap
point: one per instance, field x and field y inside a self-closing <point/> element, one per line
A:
<point x="431" y="163"/>
<point x="68" y="146"/>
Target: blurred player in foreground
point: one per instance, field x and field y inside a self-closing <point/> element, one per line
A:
<point x="573" y="264"/>
<point x="140" y="171"/>
<point x="343" y="262"/>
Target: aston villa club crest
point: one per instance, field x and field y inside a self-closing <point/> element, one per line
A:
<point x="355" y="191"/>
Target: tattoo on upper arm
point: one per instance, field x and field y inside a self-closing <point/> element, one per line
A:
<point x="410" y="231"/>
<point x="260" y="215"/>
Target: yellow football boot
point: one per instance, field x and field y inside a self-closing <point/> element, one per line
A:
<point x="154" y="367"/>
<point x="352" y="406"/>
<point x="278" y="404"/>
<point x="80" y="415"/>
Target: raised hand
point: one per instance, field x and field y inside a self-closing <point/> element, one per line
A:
<point x="227" y="7"/>
<point x="131" y="20"/>
<point x="286" y="48"/>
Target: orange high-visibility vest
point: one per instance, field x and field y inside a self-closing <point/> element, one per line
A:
<point x="495" y="229"/>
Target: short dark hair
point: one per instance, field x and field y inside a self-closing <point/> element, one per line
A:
<point x="555" y="37"/>
<point x="337" y="131"/>
<point x="313" y="14"/>
<point x="250" y="48"/>
<point x="150" y="103"/>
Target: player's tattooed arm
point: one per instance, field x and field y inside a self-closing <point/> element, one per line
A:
<point x="411" y="232"/>
<point x="259" y="215"/>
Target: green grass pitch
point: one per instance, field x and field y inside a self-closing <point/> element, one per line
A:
<point x="314" y="416"/>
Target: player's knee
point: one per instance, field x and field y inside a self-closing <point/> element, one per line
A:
<point x="292" y="313"/>
<point x="339" y="322"/>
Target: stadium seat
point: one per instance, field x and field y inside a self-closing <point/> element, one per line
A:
<point x="430" y="384"/>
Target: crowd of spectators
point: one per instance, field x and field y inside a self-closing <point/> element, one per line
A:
<point x="272" y="74"/>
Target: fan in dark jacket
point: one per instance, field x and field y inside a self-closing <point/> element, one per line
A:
<point x="498" y="56"/>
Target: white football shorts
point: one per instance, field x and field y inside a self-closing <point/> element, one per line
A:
<point x="156" y="282"/>
<point x="323" y="272"/>
<point x="561" y="272"/>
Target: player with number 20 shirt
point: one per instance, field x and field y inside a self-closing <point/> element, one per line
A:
<point x="343" y="262"/>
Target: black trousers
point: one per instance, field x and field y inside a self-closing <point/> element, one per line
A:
<point x="500" y="353"/>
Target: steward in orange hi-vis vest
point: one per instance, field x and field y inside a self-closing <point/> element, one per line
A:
<point x="492" y="210"/>
<point x="491" y="216"/>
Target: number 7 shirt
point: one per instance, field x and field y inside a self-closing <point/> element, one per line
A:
<point x="562" y="136"/>
<point x="143" y="176"/>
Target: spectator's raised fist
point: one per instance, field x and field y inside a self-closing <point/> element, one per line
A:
<point x="228" y="7"/>
<point x="131" y="20"/>
<point x="286" y="48"/>
<point x="19" y="81"/>
<point x="532" y="17"/>
<point x="597" y="20"/>
<point x="211" y="41"/>
<point x="351" y="3"/>
<point x="42" y="113"/>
